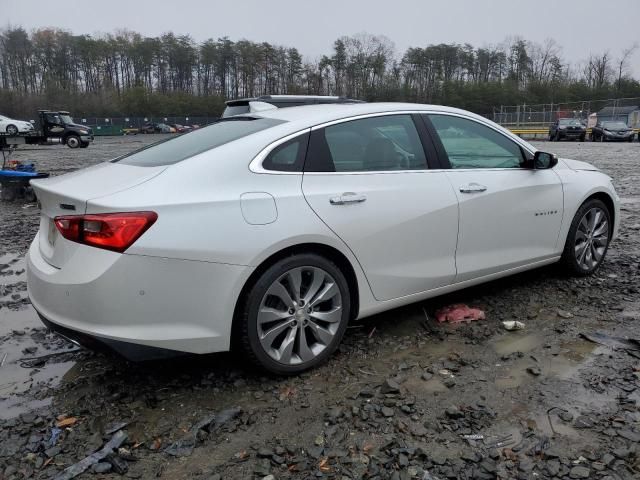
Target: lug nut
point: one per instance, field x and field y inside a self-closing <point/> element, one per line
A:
<point x="291" y="311"/>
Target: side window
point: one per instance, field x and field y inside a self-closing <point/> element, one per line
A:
<point x="367" y="145"/>
<point x="470" y="144"/>
<point x="287" y="157"/>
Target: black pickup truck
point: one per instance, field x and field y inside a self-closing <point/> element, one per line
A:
<point x="52" y="127"/>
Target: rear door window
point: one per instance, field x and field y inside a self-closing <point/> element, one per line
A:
<point x="372" y="144"/>
<point x="185" y="146"/>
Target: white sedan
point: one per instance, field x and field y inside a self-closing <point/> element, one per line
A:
<point x="13" y="127"/>
<point x="273" y="230"/>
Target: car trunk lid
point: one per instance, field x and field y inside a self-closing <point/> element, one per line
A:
<point x="68" y="195"/>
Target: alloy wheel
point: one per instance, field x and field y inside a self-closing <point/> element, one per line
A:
<point x="299" y="315"/>
<point x="592" y="237"/>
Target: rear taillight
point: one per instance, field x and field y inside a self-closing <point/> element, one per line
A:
<point x="112" y="231"/>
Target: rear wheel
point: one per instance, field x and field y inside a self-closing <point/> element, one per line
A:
<point x="73" y="141"/>
<point x="295" y="314"/>
<point x="582" y="138"/>
<point x="588" y="239"/>
<point x="12" y="130"/>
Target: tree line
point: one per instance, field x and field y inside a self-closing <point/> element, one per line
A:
<point x="126" y="73"/>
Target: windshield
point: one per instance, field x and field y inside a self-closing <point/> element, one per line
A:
<point x="67" y="119"/>
<point x="180" y="148"/>
<point x="570" y="121"/>
<point x="615" y="125"/>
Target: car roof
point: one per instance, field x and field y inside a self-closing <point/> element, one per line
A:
<point x="306" y="116"/>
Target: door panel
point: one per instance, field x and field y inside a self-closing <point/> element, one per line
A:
<point x="514" y="221"/>
<point x="404" y="231"/>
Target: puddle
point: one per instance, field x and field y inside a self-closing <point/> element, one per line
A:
<point x="517" y="342"/>
<point x="23" y="336"/>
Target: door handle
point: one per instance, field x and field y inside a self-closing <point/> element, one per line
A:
<point x="347" y="198"/>
<point x="472" y="188"/>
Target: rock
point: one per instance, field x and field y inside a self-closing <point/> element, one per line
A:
<point x="553" y="467"/>
<point x="387" y="412"/>
<point x="118" y="464"/>
<point x="579" y="472"/>
<point x="454" y="412"/>
<point x="426" y="376"/>
<point x="629" y="435"/>
<point x="565" y="416"/>
<point x="583" y="422"/>
<point x="449" y="382"/>
<point x="564" y="314"/>
<point x="389" y="386"/>
<point x="265" y="453"/>
<point x="269" y="477"/>
<point x="367" y="392"/>
<point x="262" y="468"/>
<point x="535" y="371"/>
<point x="438" y="458"/>
<point x="101" y="467"/>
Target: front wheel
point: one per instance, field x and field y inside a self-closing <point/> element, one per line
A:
<point x="588" y="239"/>
<point x="295" y="314"/>
<point x="12" y="130"/>
<point x="73" y="141"/>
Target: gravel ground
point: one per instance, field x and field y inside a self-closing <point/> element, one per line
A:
<point x="403" y="397"/>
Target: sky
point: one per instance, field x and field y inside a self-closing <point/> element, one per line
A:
<point x="579" y="27"/>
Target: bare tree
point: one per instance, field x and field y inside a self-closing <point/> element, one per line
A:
<point x="627" y="53"/>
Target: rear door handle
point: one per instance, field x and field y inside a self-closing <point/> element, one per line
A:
<point x="472" y="188"/>
<point x="347" y="198"/>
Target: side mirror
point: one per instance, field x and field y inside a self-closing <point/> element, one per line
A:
<point x="544" y="160"/>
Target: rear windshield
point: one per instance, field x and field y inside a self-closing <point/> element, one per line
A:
<point x="184" y="146"/>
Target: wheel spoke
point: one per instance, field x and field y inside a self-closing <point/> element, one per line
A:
<point x="328" y="291"/>
<point x="332" y="316"/>
<point x="295" y="282"/>
<point x="268" y="337"/>
<point x="580" y="248"/>
<point x="601" y="229"/>
<point x="596" y="254"/>
<point x="268" y="315"/>
<point x="322" y="335"/>
<point x="286" y="348"/>
<point x="278" y="290"/>
<point x="316" y="284"/>
<point x="303" y="350"/>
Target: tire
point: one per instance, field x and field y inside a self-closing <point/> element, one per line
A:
<point x="601" y="139"/>
<point x="583" y="138"/>
<point x="557" y="137"/>
<point x="84" y="144"/>
<point x="8" y="193"/>
<point x="73" y="141"/>
<point x="593" y="137"/>
<point x="265" y="313"/>
<point x="592" y="227"/>
<point x="12" y="129"/>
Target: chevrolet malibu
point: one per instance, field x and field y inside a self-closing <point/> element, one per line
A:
<point x="272" y="230"/>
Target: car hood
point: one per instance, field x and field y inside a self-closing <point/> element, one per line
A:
<point x="579" y="165"/>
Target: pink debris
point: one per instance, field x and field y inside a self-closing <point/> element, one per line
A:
<point x="459" y="313"/>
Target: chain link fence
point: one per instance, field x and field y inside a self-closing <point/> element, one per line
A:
<point x="541" y="115"/>
<point x="117" y="125"/>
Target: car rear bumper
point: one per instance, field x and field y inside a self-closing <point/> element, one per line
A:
<point x="140" y="301"/>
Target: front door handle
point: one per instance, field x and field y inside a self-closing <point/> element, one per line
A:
<point x="347" y="198"/>
<point x="472" y="188"/>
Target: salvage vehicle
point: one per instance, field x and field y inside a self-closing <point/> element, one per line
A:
<point x="255" y="104"/>
<point x="610" y="131"/>
<point x="567" y="128"/>
<point x="52" y="128"/>
<point x="275" y="230"/>
<point x="11" y="126"/>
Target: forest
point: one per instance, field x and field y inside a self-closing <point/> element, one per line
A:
<point x="126" y="73"/>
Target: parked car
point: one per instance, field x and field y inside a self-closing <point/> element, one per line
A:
<point x="247" y="105"/>
<point x="567" y="128"/>
<point x="274" y="230"/>
<point x="181" y="128"/>
<point x="13" y="127"/>
<point x="155" y="128"/>
<point x="609" y="131"/>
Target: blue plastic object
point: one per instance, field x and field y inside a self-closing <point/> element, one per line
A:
<point x="18" y="173"/>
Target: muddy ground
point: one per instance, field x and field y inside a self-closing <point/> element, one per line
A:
<point x="403" y="398"/>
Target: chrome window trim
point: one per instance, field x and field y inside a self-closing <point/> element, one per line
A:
<point x="256" y="164"/>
